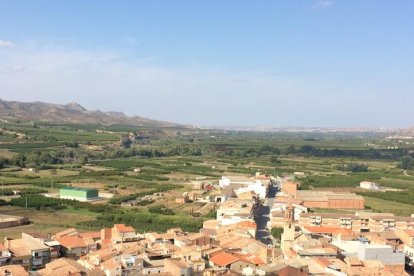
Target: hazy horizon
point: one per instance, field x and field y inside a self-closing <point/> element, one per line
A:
<point x="310" y="63"/>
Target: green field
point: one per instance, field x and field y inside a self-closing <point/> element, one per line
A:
<point x="104" y="157"/>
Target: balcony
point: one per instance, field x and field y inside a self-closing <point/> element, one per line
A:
<point x="5" y="255"/>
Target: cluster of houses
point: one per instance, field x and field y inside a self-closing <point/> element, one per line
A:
<point x="120" y="250"/>
<point x="310" y="243"/>
<point x="360" y="243"/>
<point x="220" y="248"/>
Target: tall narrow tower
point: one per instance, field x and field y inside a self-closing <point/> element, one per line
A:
<point x="288" y="235"/>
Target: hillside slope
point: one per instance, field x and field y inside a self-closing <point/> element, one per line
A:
<point x="71" y="113"/>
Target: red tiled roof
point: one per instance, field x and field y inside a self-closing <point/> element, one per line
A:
<point x="70" y="231"/>
<point x="121" y="228"/>
<point x="410" y="232"/>
<point x="93" y="235"/>
<point x="72" y="241"/>
<point x="323" y="261"/>
<point x="223" y="259"/>
<point x="247" y="224"/>
<point x="328" y="230"/>
<point x="111" y="264"/>
<point x="252" y="259"/>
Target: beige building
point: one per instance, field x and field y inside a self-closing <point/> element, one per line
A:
<point x="358" y="222"/>
<point x="28" y="251"/>
<point x="177" y="267"/>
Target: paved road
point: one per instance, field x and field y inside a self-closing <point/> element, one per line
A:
<point x="262" y="234"/>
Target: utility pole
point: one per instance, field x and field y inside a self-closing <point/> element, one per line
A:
<point x="26" y="201"/>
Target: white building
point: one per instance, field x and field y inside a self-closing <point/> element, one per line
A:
<point x="409" y="253"/>
<point x="234" y="210"/>
<point x="368" y="185"/>
<point x="239" y="180"/>
<point x="365" y="252"/>
<point x="258" y="186"/>
<point x="258" y="189"/>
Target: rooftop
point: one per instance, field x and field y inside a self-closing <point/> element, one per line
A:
<point x="123" y="229"/>
<point x="328" y="230"/>
<point x="223" y="259"/>
<point x="78" y="189"/>
<point x="72" y="241"/>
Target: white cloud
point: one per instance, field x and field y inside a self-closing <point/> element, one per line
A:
<point x="187" y="94"/>
<point x="6" y="44"/>
<point x="324" y="3"/>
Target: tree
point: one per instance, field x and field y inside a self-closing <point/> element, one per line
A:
<point x="3" y="162"/>
<point x="277" y="232"/>
<point x="19" y="160"/>
<point x="290" y="150"/>
<point x="126" y="142"/>
<point x="274" y="159"/>
<point x="353" y="167"/>
<point x="407" y="163"/>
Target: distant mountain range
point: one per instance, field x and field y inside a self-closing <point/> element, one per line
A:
<point x="71" y="113"/>
<point x="77" y="114"/>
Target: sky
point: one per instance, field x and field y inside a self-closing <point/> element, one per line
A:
<point x="308" y="63"/>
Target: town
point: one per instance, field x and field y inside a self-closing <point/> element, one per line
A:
<point x="264" y="225"/>
<point x="206" y="138"/>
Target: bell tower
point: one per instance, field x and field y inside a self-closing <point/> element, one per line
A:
<point x="288" y="235"/>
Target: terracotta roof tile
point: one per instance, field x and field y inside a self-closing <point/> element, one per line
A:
<point x="252" y="259"/>
<point x="93" y="235"/>
<point x="14" y="269"/>
<point x="121" y="228"/>
<point x="323" y="261"/>
<point x="72" y="241"/>
<point x="62" y="266"/>
<point x="223" y="259"/>
<point x="70" y="232"/>
<point x="328" y="230"/>
<point x="410" y="232"/>
<point x="111" y="264"/>
<point x="247" y="224"/>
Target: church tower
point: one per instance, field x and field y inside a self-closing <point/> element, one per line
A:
<point x="288" y="235"/>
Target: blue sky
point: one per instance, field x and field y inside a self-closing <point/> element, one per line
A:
<point x="234" y="62"/>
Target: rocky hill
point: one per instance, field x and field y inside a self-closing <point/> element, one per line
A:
<point x="71" y="113"/>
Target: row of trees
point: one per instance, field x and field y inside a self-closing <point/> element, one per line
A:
<point x="156" y="189"/>
<point x="367" y="154"/>
<point x="353" y="167"/>
<point x="250" y="152"/>
<point x="144" y="221"/>
<point x="41" y="202"/>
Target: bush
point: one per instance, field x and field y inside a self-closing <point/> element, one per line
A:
<point x="407" y="163"/>
<point x="276" y="232"/>
<point x="161" y="210"/>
